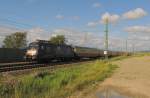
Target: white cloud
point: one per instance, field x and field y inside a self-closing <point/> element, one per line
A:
<point x="96" y="5"/>
<point x="7" y="30"/>
<point x="32" y="34"/>
<point x="36" y="29"/>
<point x="93" y="24"/>
<point x="78" y="38"/>
<point x="139" y="36"/>
<point x="140" y="41"/>
<point x="89" y="39"/>
<point x="135" y="14"/>
<point x="37" y="33"/>
<point x="138" y="29"/>
<point x="60" y="17"/>
<point x="75" y="17"/>
<point x="112" y="18"/>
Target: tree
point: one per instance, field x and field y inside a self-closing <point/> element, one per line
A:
<point x="59" y="39"/>
<point x="15" y="40"/>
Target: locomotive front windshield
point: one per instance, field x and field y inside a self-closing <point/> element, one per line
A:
<point x="33" y="46"/>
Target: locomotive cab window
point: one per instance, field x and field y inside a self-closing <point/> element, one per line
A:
<point x="33" y="45"/>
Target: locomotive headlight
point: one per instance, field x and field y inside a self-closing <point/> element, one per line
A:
<point x="32" y="52"/>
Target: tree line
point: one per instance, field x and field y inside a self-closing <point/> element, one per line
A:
<point x="19" y="40"/>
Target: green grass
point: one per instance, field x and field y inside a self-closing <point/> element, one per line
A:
<point x="119" y="58"/>
<point x="140" y="54"/>
<point x="59" y="83"/>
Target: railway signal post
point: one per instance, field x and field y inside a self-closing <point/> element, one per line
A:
<point x="106" y="40"/>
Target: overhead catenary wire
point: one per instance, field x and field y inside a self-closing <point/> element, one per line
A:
<point x="19" y="25"/>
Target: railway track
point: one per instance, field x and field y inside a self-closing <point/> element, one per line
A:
<point x="2" y="65"/>
<point x="20" y="67"/>
<point x="15" y="67"/>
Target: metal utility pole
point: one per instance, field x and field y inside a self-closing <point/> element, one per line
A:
<point x="133" y="47"/>
<point x="106" y="40"/>
<point x="126" y="46"/>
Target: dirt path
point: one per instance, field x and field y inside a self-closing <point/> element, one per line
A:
<point x="132" y="77"/>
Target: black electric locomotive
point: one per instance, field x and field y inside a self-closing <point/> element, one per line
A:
<point x="41" y="50"/>
<point x="45" y="51"/>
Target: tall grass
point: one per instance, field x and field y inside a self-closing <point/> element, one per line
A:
<point x="57" y="84"/>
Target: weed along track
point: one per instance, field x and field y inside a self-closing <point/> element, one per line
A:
<point x="66" y="79"/>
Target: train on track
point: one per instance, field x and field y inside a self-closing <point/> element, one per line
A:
<point x="43" y="51"/>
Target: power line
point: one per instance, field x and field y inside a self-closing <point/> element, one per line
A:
<point x="138" y="39"/>
<point x="19" y="23"/>
<point x="15" y="22"/>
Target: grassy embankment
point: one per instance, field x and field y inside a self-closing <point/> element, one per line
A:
<point x="59" y="83"/>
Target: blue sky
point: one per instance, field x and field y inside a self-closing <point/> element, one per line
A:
<point x="76" y="14"/>
<point x="42" y="12"/>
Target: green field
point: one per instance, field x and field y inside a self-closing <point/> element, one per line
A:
<point x="58" y="83"/>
